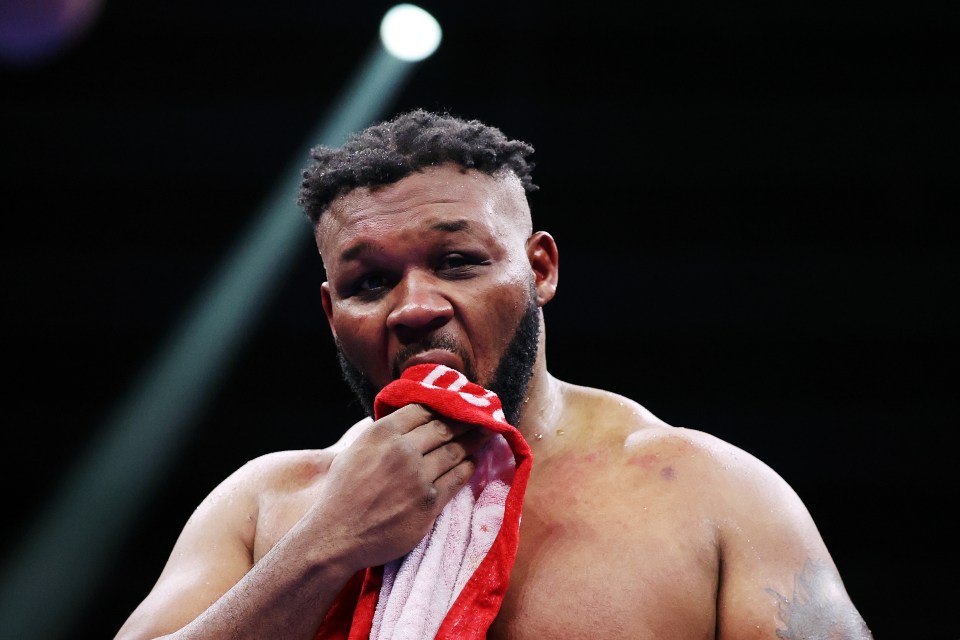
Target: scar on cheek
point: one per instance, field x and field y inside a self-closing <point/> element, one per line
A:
<point x="668" y="473"/>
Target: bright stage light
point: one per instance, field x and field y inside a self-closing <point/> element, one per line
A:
<point x="410" y="33"/>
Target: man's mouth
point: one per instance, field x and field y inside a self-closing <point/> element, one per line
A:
<point x="431" y="356"/>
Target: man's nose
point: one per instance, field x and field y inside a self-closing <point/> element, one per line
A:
<point x="420" y="303"/>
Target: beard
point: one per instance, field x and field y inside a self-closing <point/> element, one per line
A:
<point x="509" y="382"/>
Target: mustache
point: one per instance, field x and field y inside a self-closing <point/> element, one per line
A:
<point x="443" y="342"/>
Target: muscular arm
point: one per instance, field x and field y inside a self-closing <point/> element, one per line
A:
<point x="210" y="586"/>
<point x="376" y="500"/>
<point x="777" y="578"/>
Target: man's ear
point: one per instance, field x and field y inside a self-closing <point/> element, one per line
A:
<point x="545" y="262"/>
<point x="327" y="306"/>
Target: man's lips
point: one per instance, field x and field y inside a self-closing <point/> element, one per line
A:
<point x="434" y="356"/>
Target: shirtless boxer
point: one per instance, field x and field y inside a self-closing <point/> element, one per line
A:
<point x="631" y="528"/>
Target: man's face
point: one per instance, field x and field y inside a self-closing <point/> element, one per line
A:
<point x="509" y="381"/>
<point x="433" y="268"/>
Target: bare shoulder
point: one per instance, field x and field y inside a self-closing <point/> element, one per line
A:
<point x="228" y="532"/>
<point x="776" y="567"/>
<point x="286" y="470"/>
<point x="776" y="577"/>
<point x="717" y="466"/>
<point x="270" y="472"/>
<point x="350" y="435"/>
<point x="740" y="491"/>
<point x="733" y="486"/>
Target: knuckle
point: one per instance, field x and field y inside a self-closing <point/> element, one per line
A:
<point x="454" y="452"/>
<point x="462" y="473"/>
<point x="399" y="453"/>
<point x="430" y="497"/>
<point x="442" y="429"/>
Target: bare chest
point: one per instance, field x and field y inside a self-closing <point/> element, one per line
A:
<point x="597" y="562"/>
<point x="610" y="557"/>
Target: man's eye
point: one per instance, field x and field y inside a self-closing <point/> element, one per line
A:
<point x="453" y="262"/>
<point x="369" y="283"/>
<point x="458" y="261"/>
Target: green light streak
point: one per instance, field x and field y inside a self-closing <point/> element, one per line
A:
<point x="49" y="580"/>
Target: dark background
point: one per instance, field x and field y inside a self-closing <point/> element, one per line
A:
<point x="755" y="207"/>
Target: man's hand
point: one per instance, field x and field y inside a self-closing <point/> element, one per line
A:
<point x="384" y="491"/>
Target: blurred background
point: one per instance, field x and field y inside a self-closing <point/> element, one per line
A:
<point x="756" y="209"/>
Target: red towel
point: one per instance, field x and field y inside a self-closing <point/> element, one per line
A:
<point x="449" y="393"/>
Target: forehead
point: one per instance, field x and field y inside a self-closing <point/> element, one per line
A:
<point x="441" y="198"/>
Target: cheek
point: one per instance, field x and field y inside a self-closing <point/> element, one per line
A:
<point x="358" y="333"/>
<point x="512" y="294"/>
<point x="496" y="315"/>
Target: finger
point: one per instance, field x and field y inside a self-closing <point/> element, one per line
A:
<point x="412" y="416"/>
<point x="471" y="440"/>
<point x="438" y="432"/>
<point x="447" y="456"/>
<point x="405" y="419"/>
<point x="455" y="463"/>
<point x="450" y="482"/>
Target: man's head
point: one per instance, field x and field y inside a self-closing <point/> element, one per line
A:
<point x="426" y="236"/>
<point x="389" y="151"/>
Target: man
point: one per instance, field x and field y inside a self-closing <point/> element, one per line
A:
<point x="631" y="528"/>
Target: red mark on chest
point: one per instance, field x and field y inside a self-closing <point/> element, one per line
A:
<point x="574" y="461"/>
<point x="645" y="461"/>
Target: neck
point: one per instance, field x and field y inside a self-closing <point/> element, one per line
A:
<point x="543" y="404"/>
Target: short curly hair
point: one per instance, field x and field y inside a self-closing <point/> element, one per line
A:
<point x="391" y="150"/>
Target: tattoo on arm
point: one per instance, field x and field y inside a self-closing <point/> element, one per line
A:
<point x="812" y="613"/>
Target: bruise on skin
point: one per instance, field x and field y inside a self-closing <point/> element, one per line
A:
<point x="662" y="459"/>
<point x="648" y="461"/>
